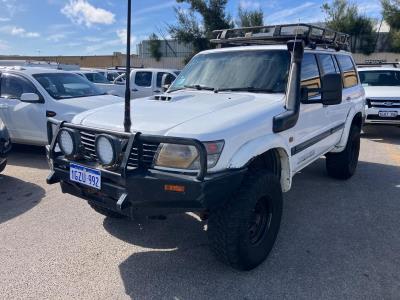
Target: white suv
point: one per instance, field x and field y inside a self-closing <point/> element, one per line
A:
<point x="382" y="90"/>
<point x="226" y="139"/>
<point x="29" y="95"/>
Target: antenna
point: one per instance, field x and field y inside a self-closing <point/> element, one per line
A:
<point x="127" y="117"/>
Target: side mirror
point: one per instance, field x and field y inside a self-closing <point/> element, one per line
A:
<point x="30" y="97"/>
<point x="166" y="82"/>
<point x="331" y="89"/>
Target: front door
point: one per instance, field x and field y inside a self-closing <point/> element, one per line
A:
<point x="26" y="122"/>
<point x="142" y="85"/>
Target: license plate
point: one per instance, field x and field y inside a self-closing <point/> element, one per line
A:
<point x="84" y="175"/>
<point x="388" y="114"/>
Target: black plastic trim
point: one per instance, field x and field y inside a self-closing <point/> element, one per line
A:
<point x="303" y="146"/>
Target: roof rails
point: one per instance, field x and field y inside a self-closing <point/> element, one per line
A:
<point x="378" y="63"/>
<point x="312" y="35"/>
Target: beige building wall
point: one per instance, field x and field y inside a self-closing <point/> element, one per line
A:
<point x="105" y="61"/>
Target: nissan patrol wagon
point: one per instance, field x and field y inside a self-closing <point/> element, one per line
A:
<point x="225" y="140"/>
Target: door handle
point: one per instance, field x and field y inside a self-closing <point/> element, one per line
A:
<point x="50" y="114"/>
<point x="348" y="98"/>
<point x="134" y="90"/>
<point x="157" y="91"/>
<point x="4" y="106"/>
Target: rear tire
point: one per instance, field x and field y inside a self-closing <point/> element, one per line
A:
<point x="106" y="212"/>
<point x="343" y="165"/>
<point x="243" y="231"/>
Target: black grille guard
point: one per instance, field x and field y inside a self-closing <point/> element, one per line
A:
<point x="132" y="138"/>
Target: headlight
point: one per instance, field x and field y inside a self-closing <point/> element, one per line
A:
<point x="187" y="157"/>
<point x="68" y="140"/>
<point x="107" y="149"/>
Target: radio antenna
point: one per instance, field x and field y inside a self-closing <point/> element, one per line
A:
<point x="127" y="116"/>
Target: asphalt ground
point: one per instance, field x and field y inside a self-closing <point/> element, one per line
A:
<point x="338" y="240"/>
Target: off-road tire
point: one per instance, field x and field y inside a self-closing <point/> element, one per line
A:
<point x="343" y="165"/>
<point x="3" y="166"/>
<point x="229" y="230"/>
<point x="106" y="212"/>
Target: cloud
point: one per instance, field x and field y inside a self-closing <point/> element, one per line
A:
<point x="154" y="8"/>
<point x="305" y="12"/>
<point x="10" y="7"/>
<point x="247" y="4"/>
<point x="4" y="19"/>
<point x="4" y="45"/>
<point x="116" y="44"/>
<point x="82" y="12"/>
<point x="56" y="37"/>
<point x="18" y="31"/>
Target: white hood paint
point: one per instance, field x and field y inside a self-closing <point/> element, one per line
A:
<point x="187" y="114"/>
<point x="86" y="103"/>
<point x="382" y="91"/>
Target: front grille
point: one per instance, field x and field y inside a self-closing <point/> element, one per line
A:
<point x="148" y="151"/>
<point x="384" y="103"/>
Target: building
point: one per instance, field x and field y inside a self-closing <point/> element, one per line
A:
<point x="168" y="48"/>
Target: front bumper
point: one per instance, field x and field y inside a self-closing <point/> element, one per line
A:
<point x="372" y="116"/>
<point x="146" y="191"/>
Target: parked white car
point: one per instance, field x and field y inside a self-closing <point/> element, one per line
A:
<point x="148" y="82"/>
<point x="382" y="89"/>
<point x="29" y="95"/>
<point x="226" y="139"/>
<point x="111" y="75"/>
<point x="102" y="83"/>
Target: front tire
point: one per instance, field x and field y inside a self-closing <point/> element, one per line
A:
<point x="3" y="166"/>
<point x="243" y="231"/>
<point x="343" y="165"/>
<point x="105" y="212"/>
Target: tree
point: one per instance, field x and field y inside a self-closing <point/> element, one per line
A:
<point x="196" y="25"/>
<point x="250" y="18"/>
<point x="154" y="47"/>
<point x="391" y="14"/>
<point x="344" y="16"/>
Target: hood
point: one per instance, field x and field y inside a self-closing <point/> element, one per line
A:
<point x="382" y="91"/>
<point x="86" y="103"/>
<point x="159" y="114"/>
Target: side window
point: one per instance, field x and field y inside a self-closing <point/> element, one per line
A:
<point x="327" y="64"/>
<point x="310" y="77"/>
<point x="349" y="72"/>
<point x="143" y="79"/>
<point x="170" y="78"/>
<point x="12" y="87"/>
<point x="90" y="77"/>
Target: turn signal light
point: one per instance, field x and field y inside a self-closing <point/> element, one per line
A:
<point x="174" y="188"/>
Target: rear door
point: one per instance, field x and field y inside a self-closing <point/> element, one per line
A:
<point x="25" y="121"/>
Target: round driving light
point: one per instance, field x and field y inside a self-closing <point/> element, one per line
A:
<point x="106" y="149"/>
<point x="68" y="141"/>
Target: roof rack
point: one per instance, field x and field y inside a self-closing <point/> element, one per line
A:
<point x="312" y="35"/>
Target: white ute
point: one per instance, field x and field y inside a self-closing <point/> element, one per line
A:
<point x="29" y="95"/>
<point x="382" y="90"/>
<point x="226" y="139"/>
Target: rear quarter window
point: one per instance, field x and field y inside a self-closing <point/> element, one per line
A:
<point x="348" y="69"/>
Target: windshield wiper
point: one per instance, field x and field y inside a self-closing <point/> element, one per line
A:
<point x="199" y="87"/>
<point x="250" y="89"/>
<point x="194" y="86"/>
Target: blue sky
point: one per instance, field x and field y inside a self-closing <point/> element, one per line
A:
<point x="87" y="27"/>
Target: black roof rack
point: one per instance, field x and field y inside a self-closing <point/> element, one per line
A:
<point x="312" y="35"/>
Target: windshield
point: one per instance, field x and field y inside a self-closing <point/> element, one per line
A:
<point x="261" y="70"/>
<point x="380" y="78"/>
<point x="67" y="85"/>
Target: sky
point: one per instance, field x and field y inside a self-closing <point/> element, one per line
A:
<point x="95" y="27"/>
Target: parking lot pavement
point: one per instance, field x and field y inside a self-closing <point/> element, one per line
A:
<point x="337" y="240"/>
